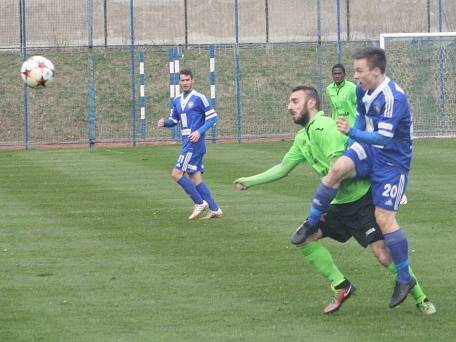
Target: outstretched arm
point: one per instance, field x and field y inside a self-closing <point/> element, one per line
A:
<point x="271" y="175"/>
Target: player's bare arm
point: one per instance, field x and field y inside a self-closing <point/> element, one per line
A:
<point x="161" y="123"/>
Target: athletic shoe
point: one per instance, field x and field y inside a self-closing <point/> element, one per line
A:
<point x="341" y="296"/>
<point x="214" y="214"/>
<point x="198" y="211"/>
<point x="303" y="232"/>
<point x="426" y="307"/>
<point x="400" y="292"/>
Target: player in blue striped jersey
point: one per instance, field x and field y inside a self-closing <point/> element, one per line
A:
<point x="382" y="150"/>
<point x="196" y="115"/>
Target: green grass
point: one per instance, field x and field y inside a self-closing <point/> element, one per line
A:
<point x="96" y="246"/>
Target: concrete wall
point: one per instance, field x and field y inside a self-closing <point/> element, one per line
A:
<point x="64" y="22"/>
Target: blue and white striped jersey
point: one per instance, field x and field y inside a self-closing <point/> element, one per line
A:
<point x="386" y="111"/>
<point x="192" y="110"/>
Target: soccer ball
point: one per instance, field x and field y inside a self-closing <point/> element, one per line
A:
<point x="37" y="71"/>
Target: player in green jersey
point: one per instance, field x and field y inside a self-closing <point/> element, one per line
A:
<point x="341" y="95"/>
<point x="351" y="213"/>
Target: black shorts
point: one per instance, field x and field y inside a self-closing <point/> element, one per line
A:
<point x="357" y="219"/>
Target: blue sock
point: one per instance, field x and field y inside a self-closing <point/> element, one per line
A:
<point x="190" y="189"/>
<point x="398" y="247"/>
<point x="205" y="193"/>
<point x="322" y="199"/>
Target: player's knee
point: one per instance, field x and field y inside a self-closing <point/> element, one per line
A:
<point x="333" y="178"/>
<point x="342" y="169"/>
<point x="176" y="174"/>
<point x="196" y="178"/>
<point x="386" y="220"/>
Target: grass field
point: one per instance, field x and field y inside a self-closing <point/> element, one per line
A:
<point x="96" y="246"/>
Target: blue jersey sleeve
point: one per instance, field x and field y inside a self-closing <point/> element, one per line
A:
<point x="210" y="116"/>
<point x="173" y="118"/>
<point x="360" y="122"/>
<point x="372" y="138"/>
<point x="359" y="101"/>
<point x="169" y="123"/>
<point x="208" y="124"/>
<point x="395" y="109"/>
<point x="174" y="115"/>
<point x="209" y="111"/>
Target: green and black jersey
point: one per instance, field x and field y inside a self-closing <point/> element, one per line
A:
<point x="319" y="144"/>
<point x="342" y="98"/>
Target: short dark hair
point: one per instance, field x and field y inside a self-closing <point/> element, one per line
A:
<point x="186" y="72"/>
<point x="310" y="92"/>
<point x="376" y="57"/>
<point x="338" y="65"/>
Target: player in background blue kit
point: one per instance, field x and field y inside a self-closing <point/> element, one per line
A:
<point x="382" y="150"/>
<point x="196" y="116"/>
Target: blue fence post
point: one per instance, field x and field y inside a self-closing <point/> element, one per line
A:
<point x="442" y="93"/>
<point x="23" y="43"/>
<point x="142" y="94"/>
<point x="176" y="67"/>
<point x="440" y="15"/>
<point x="338" y="42"/>
<point x="177" y="55"/>
<point x="133" y="72"/>
<point x="91" y="92"/>
<point x="171" y="82"/>
<point x="238" y="72"/>
<point x="212" y="82"/>
<point x="319" y="57"/>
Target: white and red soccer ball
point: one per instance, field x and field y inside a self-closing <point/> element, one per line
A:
<point x="37" y="71"/>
